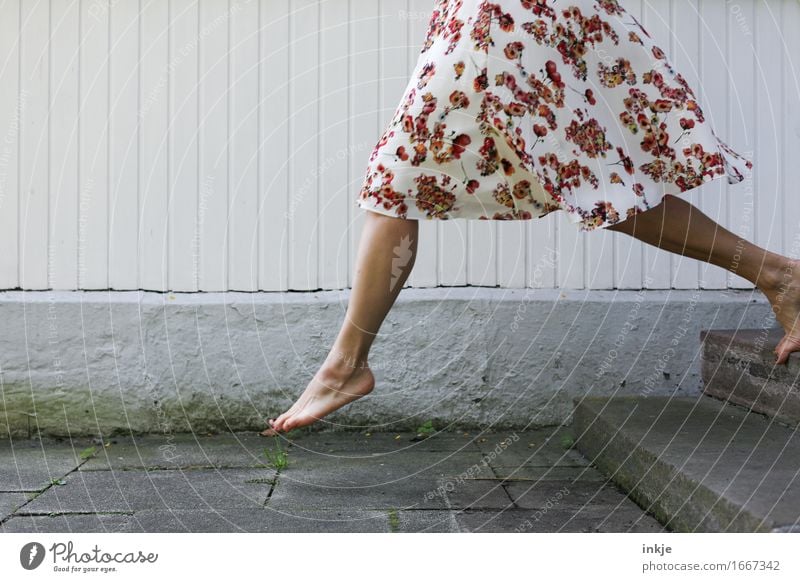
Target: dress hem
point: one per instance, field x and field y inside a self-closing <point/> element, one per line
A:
<point x="574" y="217"/>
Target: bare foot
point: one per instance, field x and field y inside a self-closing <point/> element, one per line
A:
<point x="329" y="390"/>
<point x="784" y="297"/>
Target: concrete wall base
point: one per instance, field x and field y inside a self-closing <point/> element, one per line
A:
<point x="91" y="363"/>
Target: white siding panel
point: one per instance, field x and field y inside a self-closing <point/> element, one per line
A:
<point x="12" y="101"/>
<point x="93" y="167"/>
<point x="153" y="144"/>
<point x="274" y="143"/>
<point x="213" y="128"/>
<point x="124" y="74"/>
<point x="64" y="200"/>
<point x="34" y="144"/>
<point x="183" y="150"/>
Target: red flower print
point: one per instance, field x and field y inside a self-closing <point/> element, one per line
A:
<point x="432" y="197"/>
<point x="589" y="136"/>
<point x="620" y="73"/>
<point x="522" y="190"/>
<point x="459" y="99"/>
<point x="426" y="74"/>
<point x="539" y="7"/>
<point x="513" y="50"/>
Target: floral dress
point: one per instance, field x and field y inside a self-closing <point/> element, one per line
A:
<point x="518" y="108"/>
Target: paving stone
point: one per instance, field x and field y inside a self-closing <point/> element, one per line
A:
<point x="97" y="491"/>
<point x="408" y="480"/>
<point x="260" y="520"/>
<point x="561" y="520"/>
<point x="405" y="460"/>
<point x="67" y="523"/>
<point x="537" y="495"/>
<point x="368" y="444"/>
<point x="552" y="473"/>
<point x="424" y="521"/>
<point x="541" y="447"/>
<point x="391" y="494"/>
<point x="475" y="494"/>
<point x="385" y="468"/>
<point x="182" y="451"/>
<point x="30" y="464"/>
<point x="9" y="502"/>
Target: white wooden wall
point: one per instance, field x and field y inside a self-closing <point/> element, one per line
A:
<point x="219" y="144"/>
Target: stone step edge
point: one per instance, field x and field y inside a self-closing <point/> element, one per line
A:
<point x="591" y="446"/>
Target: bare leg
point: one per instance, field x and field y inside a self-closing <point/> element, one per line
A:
<point x="679" y="227"/>
<point x="386" y="254"/>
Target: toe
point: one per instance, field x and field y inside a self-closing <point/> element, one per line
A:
<point x="300" y="420"/>
<point x="289" y="424"/>
<point x="278" y="422"/>
<point x="784" y="348"/>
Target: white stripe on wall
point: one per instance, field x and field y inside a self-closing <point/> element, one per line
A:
<point x="219" y="145"/>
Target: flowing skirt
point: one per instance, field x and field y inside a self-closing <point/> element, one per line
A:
<point x="517" y="108"/>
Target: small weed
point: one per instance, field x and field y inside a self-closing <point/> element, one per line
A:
<point x="277" y="458"/>
<point x="57" y="482"/>
<point x="88" y="452"/>
<point x="426" y="429"/>
<point x="394" y="520"/>
<point x="567" y="442"/>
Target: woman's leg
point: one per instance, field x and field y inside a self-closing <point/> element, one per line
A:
<point x="386" y="254"/>
<point x="679" y="227"/>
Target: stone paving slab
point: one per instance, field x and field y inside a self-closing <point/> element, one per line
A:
<point x="541" y="447"/>
<point x="181" y="450"/>
<point x="476" y="494"/>
<point x="370" y="444"/>
<point x="560" y="520"/>
<point x="239" y="521"/>
<point x="384" y="465"/>
<point x="551" y="473"/>
<point x="68" y="523"/>
<point x="260" y="520"/>
<point x="425" y="521"/>
<point x="541" y="494"/>
<point x="95" y="491"/>
<point x="9" y="502"/>
<point x="30" y="465"/>
<point x="389" y="495"/>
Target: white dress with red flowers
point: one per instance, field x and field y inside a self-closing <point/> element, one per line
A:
<point x="518" y="108"/>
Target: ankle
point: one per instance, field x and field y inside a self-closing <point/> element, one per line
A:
<point x="775" y="276"/>
<point x="342" y="364"/>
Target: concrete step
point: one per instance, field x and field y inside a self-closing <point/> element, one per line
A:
<point x="696" y="464"/>
<point x="739" y="367"/>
